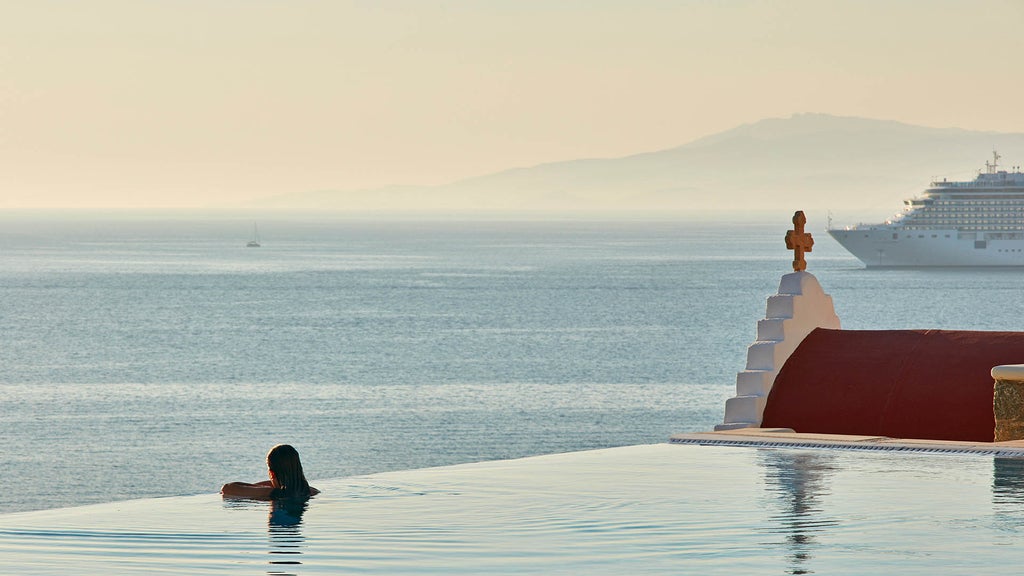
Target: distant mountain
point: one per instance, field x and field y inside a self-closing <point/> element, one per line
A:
<point x="808" y="161"/>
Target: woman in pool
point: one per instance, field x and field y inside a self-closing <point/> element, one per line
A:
<point x="286" y="479"/>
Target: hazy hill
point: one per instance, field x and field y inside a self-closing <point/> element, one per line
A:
<point x="853" y="166"/>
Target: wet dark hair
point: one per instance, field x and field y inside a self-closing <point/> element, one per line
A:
<point x="283" y="461"/>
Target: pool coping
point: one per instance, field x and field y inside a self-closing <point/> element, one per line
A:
<point x="788" y="438"/>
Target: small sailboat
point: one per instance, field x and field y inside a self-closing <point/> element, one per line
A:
<point x="255" y="242"/>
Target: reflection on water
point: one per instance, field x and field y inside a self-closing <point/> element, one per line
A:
<point x="284" y="528"/>
<point x="1008" y="481"/>
<point x="1008" y="494"/>
<point x="798" y="479"/>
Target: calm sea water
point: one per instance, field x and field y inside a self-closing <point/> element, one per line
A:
<point x="150" y="357"/>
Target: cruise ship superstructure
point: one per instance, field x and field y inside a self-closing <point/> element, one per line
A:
<point x="974" y="223"/>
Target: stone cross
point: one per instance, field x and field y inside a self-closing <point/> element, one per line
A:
<point x="799" y="241"/>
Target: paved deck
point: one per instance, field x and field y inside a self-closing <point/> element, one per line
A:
<point x="787" y="438"/>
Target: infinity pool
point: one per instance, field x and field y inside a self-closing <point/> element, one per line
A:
<point x="655" y="509"/>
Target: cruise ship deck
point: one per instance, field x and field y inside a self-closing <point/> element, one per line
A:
<point x="952" y="223"/>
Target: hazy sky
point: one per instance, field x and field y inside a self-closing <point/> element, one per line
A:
<point x="138" y="103"/>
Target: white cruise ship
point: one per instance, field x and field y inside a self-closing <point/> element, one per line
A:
<point x="975" y="223"/>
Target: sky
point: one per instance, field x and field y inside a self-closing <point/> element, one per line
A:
<point x="196" y="103"/>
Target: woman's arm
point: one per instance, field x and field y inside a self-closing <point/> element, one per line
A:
<point x="260" y="491"/>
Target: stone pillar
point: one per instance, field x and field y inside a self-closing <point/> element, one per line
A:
<point x="1008" y="402"/>
<point x="800" y="306"/>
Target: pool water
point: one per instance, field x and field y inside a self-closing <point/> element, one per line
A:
<point x="650" y="509"/>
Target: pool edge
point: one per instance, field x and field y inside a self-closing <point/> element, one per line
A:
<point x="787" y="438"/>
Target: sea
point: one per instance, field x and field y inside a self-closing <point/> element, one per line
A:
<point x="148" y="356"/>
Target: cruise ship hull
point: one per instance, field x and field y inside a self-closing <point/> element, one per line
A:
<point x="888" y="247"/>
